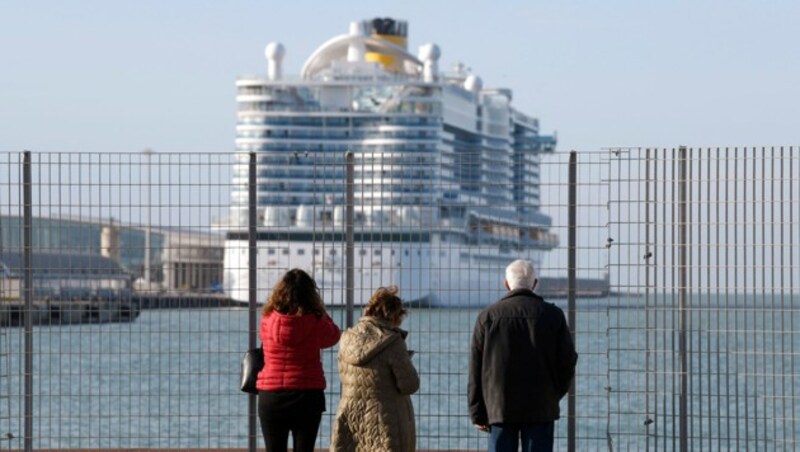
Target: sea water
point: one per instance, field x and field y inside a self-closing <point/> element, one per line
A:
<point x="170" y="378"/>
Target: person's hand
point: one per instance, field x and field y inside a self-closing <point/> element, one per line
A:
<point x="483" y="428"/>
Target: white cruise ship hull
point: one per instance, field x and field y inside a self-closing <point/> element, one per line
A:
<point x="428" y="274"/>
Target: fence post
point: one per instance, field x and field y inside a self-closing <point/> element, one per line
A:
<point x="27" y="213"/>
<point x="682" y="254"/>
<point x="252" y="292"/>
<point x="571" y="276"/>
<point x="349" y="250"/>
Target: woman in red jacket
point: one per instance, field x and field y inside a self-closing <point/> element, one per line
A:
<point x="294" y="328"/>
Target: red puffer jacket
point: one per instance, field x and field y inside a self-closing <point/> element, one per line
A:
<point x="292" y="345"/>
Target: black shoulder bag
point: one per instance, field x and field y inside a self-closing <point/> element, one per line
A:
<point x="252" y="363"/>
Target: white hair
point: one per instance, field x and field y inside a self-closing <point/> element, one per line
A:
<point x="520" y="274"/>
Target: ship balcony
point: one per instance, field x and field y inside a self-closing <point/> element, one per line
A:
<point x="544" y="240"/>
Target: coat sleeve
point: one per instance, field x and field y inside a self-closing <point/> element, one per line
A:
<point x="477" y="405"/>
<point x="405" y="374"/>
<point x="567" y="358"/>
<point x="329" y="333"/>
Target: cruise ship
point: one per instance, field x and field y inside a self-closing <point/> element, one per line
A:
<point x="445" y="173"/>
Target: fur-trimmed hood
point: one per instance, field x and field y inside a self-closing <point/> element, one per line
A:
<point x="360" y="344"/>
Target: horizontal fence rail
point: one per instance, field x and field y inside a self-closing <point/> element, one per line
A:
<point x="131" y="285"/>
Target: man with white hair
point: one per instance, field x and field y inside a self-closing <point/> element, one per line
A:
<point x="521" y="364"/>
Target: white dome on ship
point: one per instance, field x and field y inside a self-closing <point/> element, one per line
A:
<point x="336" y="50"/>
<point x="274" y="51"/>
<point x="429" y="52"/>
<point x="473" y="83"/>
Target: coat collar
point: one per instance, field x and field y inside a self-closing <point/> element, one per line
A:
<point x="384" y="325"/>
<point x="518" y="292"/>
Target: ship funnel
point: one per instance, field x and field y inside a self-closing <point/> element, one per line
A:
<point x="393" y="31"/>
<point x="274" y="53"/>
<point x="429" y="54"/>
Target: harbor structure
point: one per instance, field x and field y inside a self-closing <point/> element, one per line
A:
<point x="181" y="260"/>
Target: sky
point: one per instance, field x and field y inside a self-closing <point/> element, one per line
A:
<point x="99" y="76"/>
<point x="119" y="77"/>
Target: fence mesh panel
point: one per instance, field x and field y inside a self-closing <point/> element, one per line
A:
<point x="702" y="349"/>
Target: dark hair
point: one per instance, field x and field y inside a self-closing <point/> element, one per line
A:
<point x="386" y="305"/>
<point x="296" y="293"/>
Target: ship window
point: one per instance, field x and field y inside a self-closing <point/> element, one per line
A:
<point x="301" y="252"/>
<point x="270" y="251"/>
<point x="406" y="253"/>
<point x="286" y="251"/>
<point x="316" y="252"/>
<point x="392" y="252"/>
<point x="332" y="252"/>
<point x="362" y="252"/>
<point x="377" y="252"/>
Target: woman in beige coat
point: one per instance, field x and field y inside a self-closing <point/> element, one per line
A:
<point x="375" y="412"/>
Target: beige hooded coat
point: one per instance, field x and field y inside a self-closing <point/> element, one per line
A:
<point x="375" y="412"/>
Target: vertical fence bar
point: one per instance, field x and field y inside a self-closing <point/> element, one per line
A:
<point x="648" y="421"/>
<point x="682" y="297"/>
<point x="252" y="291"/>
<point x="27" y="212"/>
<point x="148" y="153"/>
<point x="713" y="339"/>
<point x="349" y="214"/>
<point x="791" y="288"/>
<point x="571" y="276"/>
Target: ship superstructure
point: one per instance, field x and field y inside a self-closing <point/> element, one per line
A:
<point x="446" y="172"/>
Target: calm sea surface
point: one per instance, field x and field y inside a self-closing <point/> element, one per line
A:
<point x="170" y="379"/>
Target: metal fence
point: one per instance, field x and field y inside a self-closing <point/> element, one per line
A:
<point x="119" y="331"/>
<point x="704" y="357"/>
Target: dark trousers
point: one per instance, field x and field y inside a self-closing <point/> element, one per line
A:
<point x="295" y="412"/>
<point x="534" y="437"/>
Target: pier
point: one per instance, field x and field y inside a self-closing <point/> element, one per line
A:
<point x="68" y="312"/>
<point x="584" y="287"/>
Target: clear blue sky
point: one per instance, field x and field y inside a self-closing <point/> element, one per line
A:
<point x="104" y="76"/>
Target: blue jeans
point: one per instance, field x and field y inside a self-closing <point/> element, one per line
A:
<point x="535" y="437"/>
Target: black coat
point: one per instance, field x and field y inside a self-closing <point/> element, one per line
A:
<point x="522" y="361"/>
